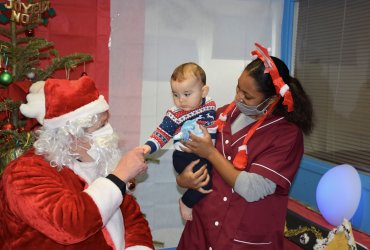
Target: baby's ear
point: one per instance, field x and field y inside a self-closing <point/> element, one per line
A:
<point x="205" y="90"/>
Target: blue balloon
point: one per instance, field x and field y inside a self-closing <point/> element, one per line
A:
<point x="338" y="194"/>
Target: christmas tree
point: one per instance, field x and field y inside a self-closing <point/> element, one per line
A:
<point x="24" y="59"/>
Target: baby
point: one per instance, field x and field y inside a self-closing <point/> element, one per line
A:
<point x="192" y="108"/>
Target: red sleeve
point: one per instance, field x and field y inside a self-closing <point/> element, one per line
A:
<point x="137" y="231"/>
<point x="280" y="159"/>
<point x="51" y="202"/>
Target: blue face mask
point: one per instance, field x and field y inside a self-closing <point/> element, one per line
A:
<point x="251" y="110"/>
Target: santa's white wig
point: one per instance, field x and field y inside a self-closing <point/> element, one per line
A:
<point x="59" y="145"/>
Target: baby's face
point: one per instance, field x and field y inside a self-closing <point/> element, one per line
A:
<point x="187" y="94"/>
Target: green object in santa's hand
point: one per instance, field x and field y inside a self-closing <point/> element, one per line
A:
<point x="152" y="160"/>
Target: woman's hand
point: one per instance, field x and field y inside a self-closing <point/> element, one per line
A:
<point x="197" y="180"/>
<point x="201" y="146"/>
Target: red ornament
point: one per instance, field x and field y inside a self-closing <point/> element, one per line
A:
<point x="8" y="139"/>
<point x="30" y="32"/>
<point x="84" y="74"/>
<point x="45" y="15"/>
<point x="131" y="184"/>
<point x="7" y="126"/>
<point x="20" y="130"/>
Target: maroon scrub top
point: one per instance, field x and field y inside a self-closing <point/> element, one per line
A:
<point x="224" y="220"/>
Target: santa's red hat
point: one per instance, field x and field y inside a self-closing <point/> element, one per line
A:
<point x="56" y="101"/>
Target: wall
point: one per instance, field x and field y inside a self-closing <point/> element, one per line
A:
<point x="150" y="38"/>
<point x="81" y="27"/>
<point x="311" y="169"/>
<point x="158" y="196"/>
<point x="305" y="183"/>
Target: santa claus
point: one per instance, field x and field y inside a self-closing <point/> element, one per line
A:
<point x="68" y="192"/>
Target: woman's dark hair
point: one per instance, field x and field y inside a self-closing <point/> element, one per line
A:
<point x="302" y="115"/>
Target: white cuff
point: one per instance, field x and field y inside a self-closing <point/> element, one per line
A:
<point x="138" y="248"/>
<point x="106" y="195"/>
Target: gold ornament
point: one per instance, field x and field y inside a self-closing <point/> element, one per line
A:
<point x="26" y="13"/>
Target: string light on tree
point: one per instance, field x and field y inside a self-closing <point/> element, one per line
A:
<point x="31" y="74"/>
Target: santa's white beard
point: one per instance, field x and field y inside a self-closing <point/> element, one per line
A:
<point x="104" y="150"/>
<point x="60" y="150"/>
<point x="107" y="160"/>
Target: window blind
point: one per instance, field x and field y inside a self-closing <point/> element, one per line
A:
<point x="332" y="61"/>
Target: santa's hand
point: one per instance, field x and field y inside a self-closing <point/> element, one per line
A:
<point x="131" y="164"/>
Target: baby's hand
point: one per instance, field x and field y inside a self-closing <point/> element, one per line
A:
<point x="146" y="149"/>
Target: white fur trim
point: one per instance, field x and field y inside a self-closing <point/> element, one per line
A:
<point x="92" y="108"/>
<point x="37" y="87"/>
<point x="108" y="197"/>
<point x="283" y="90"/>
<point x="116" y="229"/>
<point x="138" y="248"/>
<point x="35" y="106"/>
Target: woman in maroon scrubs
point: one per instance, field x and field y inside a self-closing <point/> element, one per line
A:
<point x="258" y="150"/>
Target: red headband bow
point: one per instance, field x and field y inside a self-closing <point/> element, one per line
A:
<point x="241" y="158"/>
<point x="280" y="86"/>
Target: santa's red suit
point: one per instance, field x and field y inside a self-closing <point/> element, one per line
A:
<point x="69" y="207"/>
<point x="43" y="208"/>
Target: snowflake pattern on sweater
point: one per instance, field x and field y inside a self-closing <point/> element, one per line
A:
<point x="175" y="118"/>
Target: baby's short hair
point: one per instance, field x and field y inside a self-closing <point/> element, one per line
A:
<point x="185" y="70"/>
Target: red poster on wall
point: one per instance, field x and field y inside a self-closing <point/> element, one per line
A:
<point x="77" y="27"/>
<point x="81" y="27"/>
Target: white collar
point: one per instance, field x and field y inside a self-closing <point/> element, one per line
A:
<point x="86" y="170"/>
